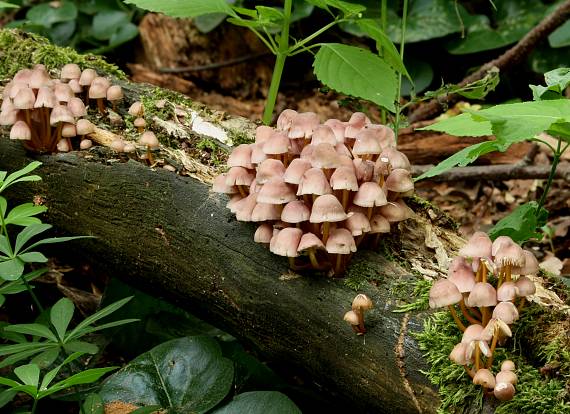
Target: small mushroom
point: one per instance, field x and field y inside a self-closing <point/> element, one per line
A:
<point x="360" y="305"/>
<point x="149" y="140"/>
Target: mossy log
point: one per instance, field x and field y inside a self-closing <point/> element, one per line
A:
<point x="166" y="233"/>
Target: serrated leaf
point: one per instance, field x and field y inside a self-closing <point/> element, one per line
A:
<point x="522" y="224"/>
<point x="60" y="316"/>
<point x="188" y="8"/>
<point x="357" y="72"/>
<point x="183" y="375"/>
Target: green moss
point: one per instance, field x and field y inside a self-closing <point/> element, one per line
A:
<point x="166" y="112"/>
<point x="360" y="272"/>
<point x="415" y="294"/>
<point x="20" y="50"/>
<point x="530" y="348"/>
<point x="240" y="137"/>
<point x="218" y="155"/>
<point x="435" y="214"/>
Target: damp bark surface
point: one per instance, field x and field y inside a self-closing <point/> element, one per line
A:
<point x="169" y="235"/>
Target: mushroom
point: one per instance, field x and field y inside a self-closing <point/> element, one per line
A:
<point x="360" y="305"/>
<point x="149" y="140"/>
<point x="114" y="95"/>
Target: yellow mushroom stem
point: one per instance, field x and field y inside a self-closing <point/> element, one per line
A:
<point x="477" y="357"/>
<point x="381" y="179"/>
<point x="101" y="106"/>
<point x="369" y="212"/>
<point x="313" y="258"/>
<point x="483" y="272"/>
<point x="467" y="314"/>
<point x="456" y="318"/>
<point x="344" y="199"/>
<point x="469" y="371"/>
<point x="485" y="315"/>
<point x="360" y="314"/>
<point x="508" y="269"/>
<point x="326" y="226"/>
<point x="242" y="191"/>
<point x="149" y="156"/>
<point x="338" y="264"/>
<point x="493" y="346"/>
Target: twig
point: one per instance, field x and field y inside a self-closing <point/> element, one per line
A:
<point x="216" y="65"/>
<point x="504" y="62"/>
<point x="500" y="172"/>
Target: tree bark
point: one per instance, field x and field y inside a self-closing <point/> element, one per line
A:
<point x="169" y="235"/>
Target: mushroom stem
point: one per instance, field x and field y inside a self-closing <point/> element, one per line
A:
<point x="359" y="239"/>
<point x="521" y="304"/>
<point x="292" y="263"/>
<point x="313" y="258"/>
<point x="469" y="371"/>
<point x="493" y="346"/>
<point x="369" y="213"/>
<point x="242" y="191"/>
<point x="101" y="106"/>
<point x="338" y="264"/>
<point x="478" y="274"/>
<point x="344" y="199"/>
<point x="485" y="315"/>
<point x="360" y="314"/>
<point x="483" y="271"/>
<point x="456" y="318"/>
<point x="466" y="313"/>
<point x="149" y="156"/>
<point x="500" y="278"/>
<point x="376" y="241"/>
<point x="477" y="357"/>
<point x="508" y="272"/>
<point x="53" y="144"/>
<point x="326" y="226"/>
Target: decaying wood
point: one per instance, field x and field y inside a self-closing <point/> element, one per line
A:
<point x="508" y="60"/>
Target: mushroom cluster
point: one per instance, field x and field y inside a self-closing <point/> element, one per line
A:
<point x="46" y="113"/>
<point x="487" y="310"/>
<point x="355" y="317"/>
<point x="316" y="190"/>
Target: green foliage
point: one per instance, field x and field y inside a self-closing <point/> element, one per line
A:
<point x="194" y="8"/>
<point x="522" y="223"/>
<point x="259" y="402"/>
<point x="355" y="71"/>
<point x="419" y="296"/>
<point x="5" y="5"/>
<point x="557" y="81"/>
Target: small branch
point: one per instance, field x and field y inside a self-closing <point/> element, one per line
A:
<point x="500" y="172"/>
<point x="506" y="61"/>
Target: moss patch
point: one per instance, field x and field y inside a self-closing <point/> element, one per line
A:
<point x="20" y="50"/>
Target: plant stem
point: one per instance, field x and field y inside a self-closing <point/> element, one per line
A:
<point x="281" y="55"/>
<point x="384" y="24"/>
<point x="555" y="162"/>
<point x="399" y="90"/>
<point x="34" y="406"/>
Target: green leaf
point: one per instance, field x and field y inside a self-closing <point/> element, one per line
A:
<point x="384" y="45"/>
<point x="4" y="5"/>
<point x="11" y="269"/>
<point x="85" y="377"/>
<point x="208" y="22"/>
<point x="93" y="404"/>
<point x="188" y="8"/>
<point x="123" y="34"/>
<point x="6" y="396"/>
<point x="23" y="356"/>
<point x="19" y="214"/>
<point x="46" y="358"/>
<point x="30" y="231"/>
<point x="34" y="329"/>
<point x="481" y="88"/>
<point x="60" y="316"/>
<point x="557" y="81"/>
<point x="17" y="174"/>
<point x="53" y="240"/>
<point x="184" y="375"/>
<point x="3" y="206"/>
<point x="347" y="9"/>
<point x="89" y="330"/>
<point x="80" y="346"/>
<point x="29" y="374"/>
<point x="512" y="20"/>
<point x="83" y="325"/>
<point x="561" y="36"/>
<point x="18" y="286"/>
<point x="33" y="257"/>
<point x="357" y="72"/>
<point x="8" y="382"/>
<point x="259" y="402"/>
<point x="422" y="75"/>
<point x="46" y="14"/>
<point x="522" y="224"/>
<point x="50" y="375"/>
<point x="12" y="349"/>
<point x="462" y="158"/>
<point x="106" y="23"/>
<point x="5" y="247"/>
<point x="561" y="130"/>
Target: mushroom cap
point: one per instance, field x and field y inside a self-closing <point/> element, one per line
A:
<point x="364" y="169"/>
<point x="117" y="145"/>
<point x="310" y="241"/>
<point x="399" y="181"/>
<point x="506" y="376"/>
<point x="8" y="116"/>
<point x="303" y="124"/>
<point x="358" y="224"/>
<point x="84" y="127"/>
<point x="504" y="391"/>
<point x="257" y="154"/>
<point x="287" y="242"/>
<point x="276" y="191"/>
<point x="46" y="98"/>
<point x="285" y="119"/>
<point x="60" y="113"/>
<point x="63" y="92"/>
<point x="265" y="212"/>
<point x="314" y="181"/>
<point x="234" y="198"/>
<point x="220" y="186"/>
<point x="508" y="365"/>
<point x="362" y="302"/>
<point x="343" y="178"/>
<point x="263" y="233"/>
<point x="295" y="212"/>
<point x="479" y="245"/>
<point x="269" y="169"/>
<point x="340" y="241"/>
<point x="395" y="211"/>
<point x="530" y="265"/>
<point x="77" y="107"/>
<point x="379" y="224"/>
<point x="461" y="275"/>
<point x="239" y="176"/>
<point x="485" y="378"/>
<point x="277" y="144"/>
<point x="136" y="109"/>
<point x="70" y="71"/>
<point x="62" y="145"/>
<point x="263" y="133"/>
<point x="97" y="91"/>
<point x="323" y="134"/>
<point x="510" y="254"/>
<point x="506" y="311"/>
<point x="507" y="291"/>
<point x="324" y="156"/>
<point x="337" y="127"/>
<point x="101" y="80"/>
<point x="295" y="170"/>
<point x="482" y="294"/>
<point x="367" y="142"/>
<point x="114" y="93"/>
<point x="459" y="354"/>
<point x="141" y="123"/>
<point x="396" y="158"/>
<point x="525" y="286"/>
<point x="23" y="75"/>
<point x="20" y="130"/>
<point x="327" y="208"/>
<point x="472" y="333"/>
<point x="493" y="327"/>
<point x="370" y="194"/>
<point x="443" y="293"/>
<point x="149" y="139"/>
<point x="241" y="157"/>
<point x="24" y="99"/>
<point x="244" y="207"/>
<point x="356" y="122"/>
<point x="75" y="86"/>
<point x="68" y="130"/>
<point x="385" y="135"/>
<point x="39" y="78"/>
<point x="352" y="318"/>
<point x="86" y="144"/>
<point x="130" y="147"/>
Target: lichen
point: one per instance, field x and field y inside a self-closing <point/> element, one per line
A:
<point x="20" y="50"/>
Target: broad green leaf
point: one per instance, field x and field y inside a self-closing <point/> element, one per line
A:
<point x="462" y="126"/>
<point x="34" y="329"/>
<point x="18" y="286"/>
<point x="85" y="377"/>
<point x="357" y="72"/>
<point x="557" y="81"/>
<point x="11" y="269"/>
<point x="32" y="257"/>
<point x="91" y="329"/>
<point x="52" y="240"/>
<point x="183" y="375"/>
<point x="259" y="402"/>
<point x="347" y="9"/>
<point x="23" y="356"/>
<point x="384" y="45"/>
<point x="77" y="331"/>
<point x="421" y="73"/>
<point x="5" y="247"/>
<point x="17" y="174"/>
<point x="123" y="34"/>
<point x="107" y="22"/>
<point x="6" y="396"/>
<point x="512" y="20"/>
<point x="25" y="235"/>
<point x="61" y="33"/>
<point x="60" y="316"/>
<point x="80" y="346"/>
<point x="29" y="374"/>
<point x="460" y="159"/>
<point x="188" y="8"/>
<point x="46" y="14"/>
<point x="46" y="358"/>
<point x="3" y="299"/>
<point x="5" y="5"/>
<point x="522" y="224"/>
<point x="561" y="130"/>
<point x="27" y="178"/>
<point x="561" y="36"/>
<point x="19" y="213"/>
<point x="93" y="404"/>
<point x="208" y="22"/>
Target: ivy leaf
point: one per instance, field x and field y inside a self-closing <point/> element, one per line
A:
<point x="188" y="8"/>
<point x="357" y="72"/>
<point x="522" y="224"/>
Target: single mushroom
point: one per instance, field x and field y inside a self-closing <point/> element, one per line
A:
<point x="150" y="141"/>
<point x="360" y="305"/>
